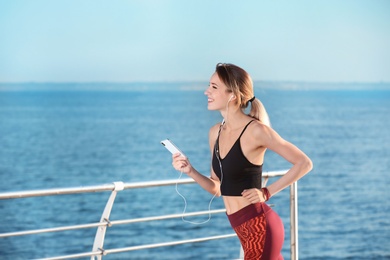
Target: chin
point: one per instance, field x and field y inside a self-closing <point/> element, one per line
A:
<point x="211" y="107"/>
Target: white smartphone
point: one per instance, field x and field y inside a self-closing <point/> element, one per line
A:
<point x="171" y="147"/>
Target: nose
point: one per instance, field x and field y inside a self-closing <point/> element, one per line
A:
<point x="207" y="91"/>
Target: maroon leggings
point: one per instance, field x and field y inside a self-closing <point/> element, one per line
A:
<point x="260" y="231"/>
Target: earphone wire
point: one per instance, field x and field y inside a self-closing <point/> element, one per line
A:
<point x="227" y="115"/>
<point x="216" y="151"/>
<point x="185" y="204"/>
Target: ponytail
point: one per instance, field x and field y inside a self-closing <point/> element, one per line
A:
<point x="258" y="112"/>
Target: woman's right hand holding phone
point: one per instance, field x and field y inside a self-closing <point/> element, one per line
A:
<point x="181" y="163"/>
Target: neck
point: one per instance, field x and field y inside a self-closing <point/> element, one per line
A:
<point x="233" y="119"/>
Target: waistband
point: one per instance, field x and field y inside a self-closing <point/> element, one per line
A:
<point x="247" y="213"/>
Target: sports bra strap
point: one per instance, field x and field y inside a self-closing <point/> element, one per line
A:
<point x="243" y="130"/>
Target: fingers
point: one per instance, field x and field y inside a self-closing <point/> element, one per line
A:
<point x="176" y="155"/>
<point x="179" y="162"/>
<point x="252" y="195"/>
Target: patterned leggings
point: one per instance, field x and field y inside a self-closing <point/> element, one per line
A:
<point x="260" y="231"/>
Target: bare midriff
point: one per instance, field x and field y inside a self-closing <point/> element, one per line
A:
<point x="234" y="203"/>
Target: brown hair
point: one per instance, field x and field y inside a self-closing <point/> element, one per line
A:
<point x="239" y="82"/>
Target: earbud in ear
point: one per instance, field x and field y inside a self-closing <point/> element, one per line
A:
<point x="231" y="97"/>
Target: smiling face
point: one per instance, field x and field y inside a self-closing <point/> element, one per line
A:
<point x="217" y="94"/>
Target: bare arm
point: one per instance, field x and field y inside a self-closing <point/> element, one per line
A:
<point x="300" y="161"/>
<point x="266" y="137"/>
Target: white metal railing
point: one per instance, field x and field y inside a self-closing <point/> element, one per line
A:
<point x="98" y="251"/>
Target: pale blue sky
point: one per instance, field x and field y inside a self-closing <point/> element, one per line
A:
<point x="182" y="40"/>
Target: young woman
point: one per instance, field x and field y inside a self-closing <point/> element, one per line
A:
<point x="237" y="148"/>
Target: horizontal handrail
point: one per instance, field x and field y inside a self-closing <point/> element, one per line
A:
<point x="172" y="243"/>
<point x="141" y="247"/>
<point x="107" y="187"/>
<point x="111" y="223"/>
<point x="165" y="217"/>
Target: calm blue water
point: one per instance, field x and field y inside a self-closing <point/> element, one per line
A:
<point x="59" y="138"/>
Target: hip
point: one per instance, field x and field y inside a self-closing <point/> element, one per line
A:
<point x="249" y="212"/>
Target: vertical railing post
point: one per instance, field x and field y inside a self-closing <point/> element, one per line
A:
<point x="294" y="221"/>
<point x="101" y="230"/>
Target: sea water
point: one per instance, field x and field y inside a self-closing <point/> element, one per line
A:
<point x="71" y="135"/>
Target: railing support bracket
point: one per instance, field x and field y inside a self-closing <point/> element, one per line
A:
<point x="101" y="231"/>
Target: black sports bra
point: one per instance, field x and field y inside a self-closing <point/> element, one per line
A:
<point x="238" y="173"/>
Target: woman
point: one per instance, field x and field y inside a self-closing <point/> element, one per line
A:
<point x="238" y="146"/>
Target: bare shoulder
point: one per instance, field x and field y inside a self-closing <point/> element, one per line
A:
<point x="213" y="133"/>
<point x="261" y="133"/>
<point x="214" y="129"/>
<point x="258" y="129"/>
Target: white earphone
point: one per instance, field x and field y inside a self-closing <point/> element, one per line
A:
<point x="231" y="97"/>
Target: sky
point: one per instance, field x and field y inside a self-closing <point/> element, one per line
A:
<point x="183" y="40"/>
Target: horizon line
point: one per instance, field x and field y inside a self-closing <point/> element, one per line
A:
<point x="191" y="81"/>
